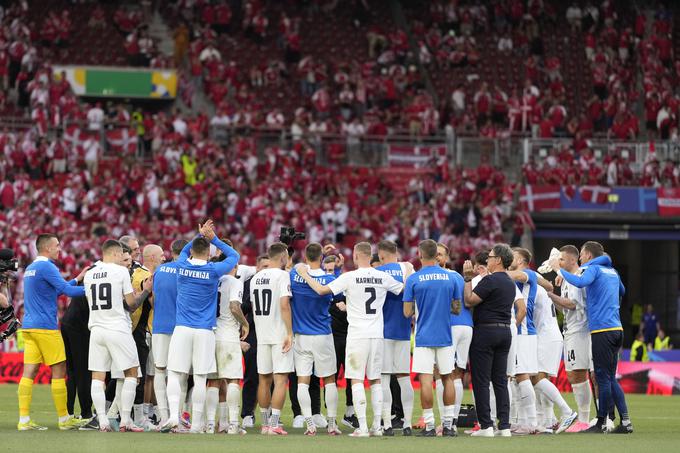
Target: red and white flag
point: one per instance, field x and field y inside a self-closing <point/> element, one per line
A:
<point x="540" y="198"/>
<point x="595" y="194"/>
<point x="668" y="201"/>
<point x="122" y="140"/>
<point x="75" y="137"/>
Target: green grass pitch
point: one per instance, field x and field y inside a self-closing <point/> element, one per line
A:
<point x="656" y="420"/>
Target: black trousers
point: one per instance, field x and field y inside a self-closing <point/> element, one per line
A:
<point x="77" y="345"/>
<point x="143" y="353"/>
<point x="340" y="342"/>
<point x="489" y="361"/>
<point x="314" y="393"/>
<point x="250" y="381"/>
<point x="395" y="389"/>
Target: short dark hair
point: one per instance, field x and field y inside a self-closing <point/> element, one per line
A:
<point x="330" y="259"/>
<point x="110" y="244"/>
<point x="388" y="246"/>
<point x="444" y="246"/>
<point x="42" y="240"/>
<point x="524" y="253"/>
<point x="313" y="251"/>
<point x="375" y="258"/>
<point x="595" y="248"/>
<point x="200" y="246"/>
<point x="126" y="248"/>
<point x="364" y="248"/>
<point x="481" y="258"/>
<point x="570" y="249"/>
<point x="262" y="257"/>
<point x="504" y="252"/>
<point x="277" y="249"/>
<point x="428" y="248"/>
<point x="178" y="245"/>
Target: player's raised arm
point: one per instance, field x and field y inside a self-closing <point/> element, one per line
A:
<point x="471" y="299"/>
<point x="320" y="289"/>
<point x="231" y="260"/>
<point x="562" y="302"/>
<point x="55" y="279"/>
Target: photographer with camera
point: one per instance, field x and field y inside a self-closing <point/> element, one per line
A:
<point x="7" y="317"/>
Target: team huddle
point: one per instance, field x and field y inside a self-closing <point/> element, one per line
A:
<point x="198" y="329"/>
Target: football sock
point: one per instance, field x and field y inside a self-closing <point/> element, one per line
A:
<point x="428" y="418"/>
<point x="407" y="398"/>
<point x="233" y="402"/>
<point x="25" y="397"/>
<point x="551" y="392"/>
<point x="439" y="390"/>
<point x="376" y="404"/>
<point x="458" y="386"/>
<point x="331" y="399"/>
<point x="305" y="402"/>
<point x="514" y="405"/>
<point x="59" y="397"/>
<point x="264" y="414"/>
<point x="198" y="402"/>
<point x="448" y="416"/>
<point x="138" y="410"/>
<point x="127" y="400"/>
<point x="510" y="396"/>
<point x="212" y="399"/>
<point x="274" y="420"/>
<point x="99" y="400"/>
<point x="160" y="389"/>
<point x="492" y="404"/>
<point x="386" y="409"/>
<point x="540" y="415"/>
<point x="583" y="397"/>
<point x="359" y="398"/>
<point x="528" y="402"/>
<point x="174" y="395"/>
<point x="224" y="409"/>
<point x="184" y="384"/>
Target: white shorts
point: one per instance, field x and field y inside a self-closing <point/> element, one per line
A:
<point x="314" y="353"/>
<point x="229" y="360"/>
<point x="526" y="354"/>
<point x="119" y="374"/>
<point x="462" y="337"/>
<point x="511" y="353"/>
<point x="192" y="348"/>
<point x="271" y="359"/>
<point x="150" y="367"/>
<point x="577" y="351"/>
<point x="161" y="346"/>
<point x="424" y="359"/>
<point x="396" y="357"/>
<point x="363" y="358"/>
<point x="549" y="354"/>
<point x="111" y="350"/>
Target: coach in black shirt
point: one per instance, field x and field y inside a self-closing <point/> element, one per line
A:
<point x="492" y="300"/>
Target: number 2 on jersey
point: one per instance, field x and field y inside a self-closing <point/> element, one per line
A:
<point x="371" y="299"/>
<point x="101" y="293"/>
<point x="265" y="308"/>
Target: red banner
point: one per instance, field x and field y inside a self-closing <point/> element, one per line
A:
<point x="669" y="202"/>
<point x="12" y="366"/>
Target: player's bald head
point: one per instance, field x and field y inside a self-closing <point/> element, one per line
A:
<point x="151" y="250"/>
<point x="363" y="249"/>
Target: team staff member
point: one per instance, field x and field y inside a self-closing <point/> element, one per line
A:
<point x="603" y="291"/>
<point x="43" y="341"/>
<point x="493" y="298"/>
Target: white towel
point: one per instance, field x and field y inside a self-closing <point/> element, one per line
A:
<point x="545" y="267"/>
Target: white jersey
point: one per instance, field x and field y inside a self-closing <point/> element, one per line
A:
<point x="267" y="288"/>
<point x="575" y="320"/>
<point x="230" y="290"/>
<point x="365" y="290"/>
<point x="106" y="284"/>
<point x="244" y="272"/>
<point x="545" y="318"/>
